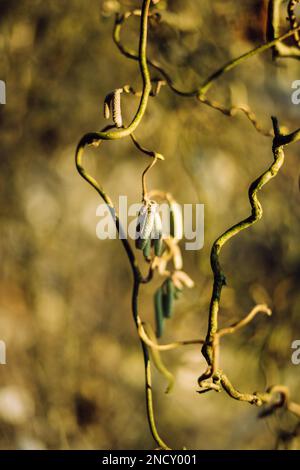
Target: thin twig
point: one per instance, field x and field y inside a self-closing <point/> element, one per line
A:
<point x="96" y="139"/>
<point x="165" y="347"/>
<point x="200" y="92"/>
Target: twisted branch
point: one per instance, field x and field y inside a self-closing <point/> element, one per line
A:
<point x="213" y="377"/>
<point x="201" y="91"/>
<point x="95" y="139"/>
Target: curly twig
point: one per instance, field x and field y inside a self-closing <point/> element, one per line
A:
<point x="164" y="347"/>
<point x="240" y="324"/>
<point x="219" y="278"/>
<point x="281" y="50"/>
<point x="293" y="20"/>
<point x="200" y="92"/>
<point x="95" y="139"/>
<point x="213" y="376"/>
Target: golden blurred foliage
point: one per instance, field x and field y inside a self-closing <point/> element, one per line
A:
<point x="74" y="372"/>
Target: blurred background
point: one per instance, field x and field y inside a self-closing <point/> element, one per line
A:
<point x="74" y="377"/>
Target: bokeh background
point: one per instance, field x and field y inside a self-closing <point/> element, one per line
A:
<point x="74" y="377"/>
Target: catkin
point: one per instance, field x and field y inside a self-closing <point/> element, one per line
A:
<point x="145" y="224"/>
<point x="159" y="315"/>
<point x="185" y="279"/>
<point x="177" y="292"/>
<point x="112" y="106"/>
<point x="107" y="102"/>
<point x="156" y="235"/>
<point x="147" y="250"/>
<point x="158" y="247"/>
<point x="177" y="257"/>
<point x="176" y="228"/>
<point x="116" y="108"/>
<point x="164" y="302"/>
<point x="168" y="297"/>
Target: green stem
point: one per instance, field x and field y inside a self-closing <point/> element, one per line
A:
<point x="148" y="378"/>
<point x="100" y="190"/>
<point x="138" y="279"/>
<point x="202" y="90"/>
<point x="239" y="60"/>
<point x="256" y="214"/>
<point x="93" y="137"/>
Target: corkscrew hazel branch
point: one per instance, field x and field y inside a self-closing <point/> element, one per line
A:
<point x="148" y="375"/>
<point x="156" y="84"/>
<point x="233" y="110"/>
<point x="144" y="174"/>
<point x="232" y="329"/>
<point x="256" y="213"/>
<point x="157" y="360"/>
<point x="281" y="50"/>
<point x="206" y="85"/>
<point x="144" y="150"/>
<point x="240" y="324"/>
<point x="213" y="371"/>
<point x="138" y="279"/>
<point x="200" y="92"/>
<point x="165" y="347"/>
<point x="260" y="399"/>
<point x="96" y="137"/>
<point x="293" y="19"/>
<point x="100" y="190"/>
<point x="213" y="377"/>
